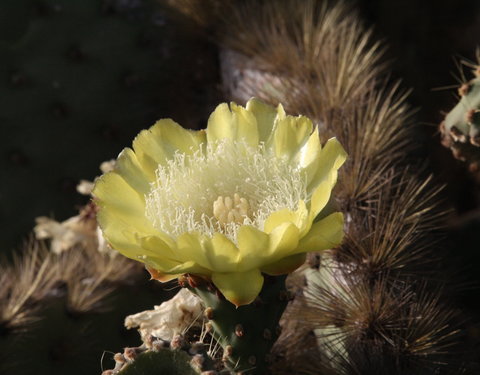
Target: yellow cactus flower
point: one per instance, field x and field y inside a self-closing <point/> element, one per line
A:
<point x="227" y="203"/>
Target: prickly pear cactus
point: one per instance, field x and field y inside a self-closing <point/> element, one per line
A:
<point x="461" y="128"/>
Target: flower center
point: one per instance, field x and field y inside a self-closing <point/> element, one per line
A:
<point x="227" y="210"/>
<point x="220" y="187"/>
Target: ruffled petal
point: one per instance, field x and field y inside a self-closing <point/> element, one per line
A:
<point x="173" y="137"/>
<point x="216" y="253"/>
<point x="113" y="194"/>
<point x="235" y="123"/>
<point x="160" y="249"/>
<point x="223" y="253"/>
<point x="191" y="246"/>
<point x="265" y="116"/>
<point x="308" y="157"/>
<point x="246" y="124"/>
<point x="331" y="157"/>
<point x="240" y="288"/>
<point x="283" y="242"/>
<point x="290" y="134"/>
<point x="158" y="144"/>
<point x="321" y="194"/>
<point x="116" y="232"/>
<point x="324" y="234"/>
<point x="300" y="218"/>
<point x="253" y="245"/>
<point x="133" y="172"/>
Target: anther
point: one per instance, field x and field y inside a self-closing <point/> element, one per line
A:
<point x="227" y="210"/>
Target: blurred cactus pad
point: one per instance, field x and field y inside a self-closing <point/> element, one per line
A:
<point x="79" y="79"/>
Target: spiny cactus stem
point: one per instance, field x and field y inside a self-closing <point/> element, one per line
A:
<point x="246" y="333"/>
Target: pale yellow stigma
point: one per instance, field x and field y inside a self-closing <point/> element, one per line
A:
<point x="227" y="210"/>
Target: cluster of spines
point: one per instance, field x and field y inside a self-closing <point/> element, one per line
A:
<point x="74" y="290"/>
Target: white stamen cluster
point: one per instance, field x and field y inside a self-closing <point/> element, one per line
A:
<point x="221" y="187"/>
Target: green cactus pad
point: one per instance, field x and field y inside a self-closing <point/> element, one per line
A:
<point x="247" y="333"/>
<point x="163" y="362"/>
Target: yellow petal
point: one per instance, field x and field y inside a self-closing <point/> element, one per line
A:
<point x="235" y="124"/>
<point x="299" y="218"/>
<point x="158" y="144"/>
<point x="283" y="242"/>
<point x="324" y="234"/>
<point x="240" y="288"/>
<point x="132" y="171"/>
<point x="331" y="158"/>
<point x="114" y="229"/>
<point x="290" y="134"/>
<point x="161" y="249"/>
<point x="309" y="156"/>
<point x="253" y="245"/>
<point x="216" y="253"/>
<point x="113" y="194"/>
<point x="284" y="265"/>
<point x="321" y="194"/>
<point x="191" y="246"/>
<point x="223" y="253"/>
<point x="173" y="137"/>
<point x="149" y="153"/>
<point x="265" y="115"/>
<point x="246" y="124"/>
